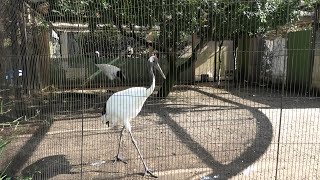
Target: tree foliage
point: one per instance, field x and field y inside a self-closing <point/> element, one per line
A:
<point x="216" y="17"/>
<point x="178" y="19"/>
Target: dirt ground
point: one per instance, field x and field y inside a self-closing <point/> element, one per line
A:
<point x="198" y="132"/>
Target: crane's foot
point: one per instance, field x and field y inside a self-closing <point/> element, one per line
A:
<point x="118" y="158"/>
<point x="148" y="171"/>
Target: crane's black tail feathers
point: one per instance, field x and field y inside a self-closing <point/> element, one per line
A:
<point x="103" y="110"/>
<point x="103" y="113"/>
<point x="121" y="76"/>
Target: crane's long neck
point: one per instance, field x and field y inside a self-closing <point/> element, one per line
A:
<point x="152" y="82"/>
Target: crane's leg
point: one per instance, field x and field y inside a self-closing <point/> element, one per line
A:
<point x="146" y="169"/>
<point x="118" y="158"/>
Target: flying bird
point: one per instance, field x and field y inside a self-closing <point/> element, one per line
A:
<point x="112" y="72"/>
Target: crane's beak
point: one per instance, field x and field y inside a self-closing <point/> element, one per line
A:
<point x="157" y="66"/>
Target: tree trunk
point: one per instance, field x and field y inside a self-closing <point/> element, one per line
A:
<point x="170" y="36"/>
<point x="2" y="58"/>
<point x="174" y="71"/>
<point x="171" y="77"/>
<point x="14" y="17"/>
<point x="235" y="45"/>
<point x="24" y="48"/>
<point x="33" y="76"/>
<point x="215" y="61"/>
<point x="44" y="58"/>
<point x="220" y="62"/>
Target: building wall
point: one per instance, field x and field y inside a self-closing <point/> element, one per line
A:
<point x="205" y="62"/>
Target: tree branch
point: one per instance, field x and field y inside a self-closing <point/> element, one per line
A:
<point x="132" y="34"/>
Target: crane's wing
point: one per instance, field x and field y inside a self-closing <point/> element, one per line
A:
<point x="112" y="72"/>
<point x="126" y="104"/>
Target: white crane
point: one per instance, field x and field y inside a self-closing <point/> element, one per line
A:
<point x="125" y="105"/>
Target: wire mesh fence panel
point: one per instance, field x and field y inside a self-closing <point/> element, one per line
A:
<point x="169" y="89"/>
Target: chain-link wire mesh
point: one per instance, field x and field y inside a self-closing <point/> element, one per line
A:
<point x="240" y="97"/>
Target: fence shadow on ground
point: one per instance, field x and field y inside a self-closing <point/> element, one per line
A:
<point x="259" y="145"/>
<point x="272" y="98"/>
